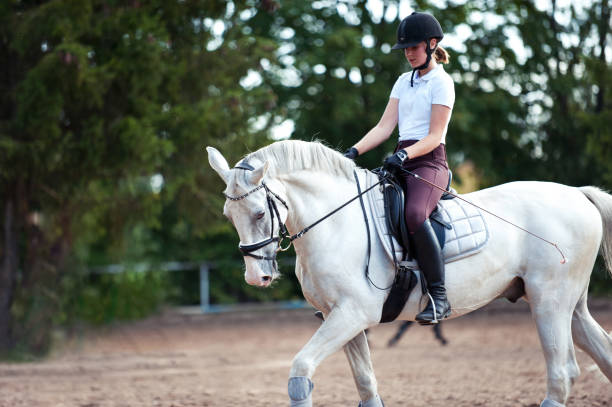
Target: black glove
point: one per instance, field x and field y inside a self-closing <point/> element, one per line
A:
<point x="394" y="162"/>
<point x="351" y="153"/>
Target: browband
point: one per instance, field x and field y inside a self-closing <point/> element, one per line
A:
<point x="243" y="165"/>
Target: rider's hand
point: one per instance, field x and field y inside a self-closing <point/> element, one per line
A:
<point x="351" y="153"/>
<point x="394" y="162"/>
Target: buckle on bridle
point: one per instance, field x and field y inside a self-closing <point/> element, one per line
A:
<point x="280" y="247"/>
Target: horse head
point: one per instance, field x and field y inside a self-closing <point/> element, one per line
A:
<point x="257" y="213"/>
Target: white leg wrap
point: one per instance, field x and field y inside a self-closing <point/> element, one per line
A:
<point x="300" y="388"/>
<point x="551" y="403"/>
<point x="373" y="402"/>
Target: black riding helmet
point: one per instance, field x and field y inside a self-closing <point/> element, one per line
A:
<point x="417" y="28"/>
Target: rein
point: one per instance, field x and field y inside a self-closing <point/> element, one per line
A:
<point x="247" y="250"/>
<point x="417" y="176"/>
<point x="283" y="232"/>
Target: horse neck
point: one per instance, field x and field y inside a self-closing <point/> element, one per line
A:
<point x="313" y="195"/>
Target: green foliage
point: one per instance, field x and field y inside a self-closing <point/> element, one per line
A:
<point x="224" y="290"/>
<point x="97" y="99"/>
<point x="226" y="277"/>
<point x="600" y="280"/>
<point x="102" y="298"/>
<point x="106" y="106"/>
<point x="532" y="84"/>
<point x="83" y="297"/>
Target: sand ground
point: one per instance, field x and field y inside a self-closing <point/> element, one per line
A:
<point x="493" y="358"/>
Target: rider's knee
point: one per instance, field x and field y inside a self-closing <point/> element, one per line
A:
<point x="415" y="216"/>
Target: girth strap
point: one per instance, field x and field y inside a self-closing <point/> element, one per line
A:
<point x="405" y="281"/>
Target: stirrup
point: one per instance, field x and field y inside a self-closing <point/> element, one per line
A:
<point x="435" y="319"/>
<point x="433" y="305"/>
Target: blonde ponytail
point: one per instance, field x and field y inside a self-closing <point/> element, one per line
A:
<point x="441" y="55"/>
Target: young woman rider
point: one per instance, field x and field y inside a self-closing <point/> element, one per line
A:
<point x="420" y="103"/>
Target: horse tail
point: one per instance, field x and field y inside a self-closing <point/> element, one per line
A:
<point x="603" y="202"/>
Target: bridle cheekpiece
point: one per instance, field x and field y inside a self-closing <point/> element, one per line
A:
<point x="283" y="232"/>
<point x="247" y="250"/>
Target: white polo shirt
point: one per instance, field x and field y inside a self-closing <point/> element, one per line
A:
<point x="414" y="110"/>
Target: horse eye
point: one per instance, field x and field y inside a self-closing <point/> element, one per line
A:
<point x="260" y="215"/>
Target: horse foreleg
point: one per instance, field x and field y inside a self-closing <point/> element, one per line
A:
<point x="339" y="327"/>
<point x="358" y="354"/>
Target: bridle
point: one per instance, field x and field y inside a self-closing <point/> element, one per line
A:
<point x="247" y="250"/>
<point x="283" y="233"/>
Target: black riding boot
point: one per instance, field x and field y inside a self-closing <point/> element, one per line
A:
<point x="429" y="257"/>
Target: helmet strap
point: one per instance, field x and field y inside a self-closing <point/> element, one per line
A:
<point x="429" y="51"/>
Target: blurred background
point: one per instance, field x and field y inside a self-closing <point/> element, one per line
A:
<point x="109" y="209"/>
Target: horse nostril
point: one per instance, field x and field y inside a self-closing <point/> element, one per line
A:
<point x="265" y="279"/>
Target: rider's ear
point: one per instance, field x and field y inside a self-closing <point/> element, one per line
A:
<point x="219" y="163"/>
<point x="259" y="173"/>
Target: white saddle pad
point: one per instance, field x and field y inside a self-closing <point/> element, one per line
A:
<point x="469" y="233"/>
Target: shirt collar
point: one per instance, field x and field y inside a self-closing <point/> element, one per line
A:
<point x="429" y="75"/>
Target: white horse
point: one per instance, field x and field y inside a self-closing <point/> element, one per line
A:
<point x="313" y="180"/>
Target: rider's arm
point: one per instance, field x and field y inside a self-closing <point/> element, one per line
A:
<point x="382" y="130"/>
<point x="440" y="115"/>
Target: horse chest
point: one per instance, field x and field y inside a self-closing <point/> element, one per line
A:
<point x="321" y="291"/>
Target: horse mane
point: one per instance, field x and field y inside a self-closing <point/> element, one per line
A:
<point x="296" y="155"/>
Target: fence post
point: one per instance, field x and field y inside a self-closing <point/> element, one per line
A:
<point x="204" y="288"/>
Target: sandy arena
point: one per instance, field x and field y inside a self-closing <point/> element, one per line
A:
<point x="242" y="359"/>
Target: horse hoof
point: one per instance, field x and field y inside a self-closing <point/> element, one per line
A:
<point x="551" y="403"/>
<point x="373" y="402"/>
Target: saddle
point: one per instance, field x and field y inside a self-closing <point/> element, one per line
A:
<point x="460" y="228"/>
<point x="394" y="200"/>
<point x="405" y="279"/>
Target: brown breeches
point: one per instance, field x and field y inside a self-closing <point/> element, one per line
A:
<point x="422" y="198"/>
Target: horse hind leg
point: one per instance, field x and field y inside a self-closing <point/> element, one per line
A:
<point x="591" y="337"/>
<point x="552" y="313"/>
<point x="358" y="355"/>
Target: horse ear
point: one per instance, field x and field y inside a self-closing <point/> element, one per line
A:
<point x="258" y="174"/>
<point x="218" y="163"/>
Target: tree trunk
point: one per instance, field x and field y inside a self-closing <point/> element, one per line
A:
<point x="604" y="27"/>
<point x="8" y="273"/>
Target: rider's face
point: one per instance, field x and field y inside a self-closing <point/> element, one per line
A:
<point x="417" y="55"/>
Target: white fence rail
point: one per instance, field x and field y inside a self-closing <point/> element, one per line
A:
<point x="204" y="269"/>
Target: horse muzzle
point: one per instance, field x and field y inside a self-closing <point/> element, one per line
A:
<point x="262" y="280"/>
<point x="255" y="276"/>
